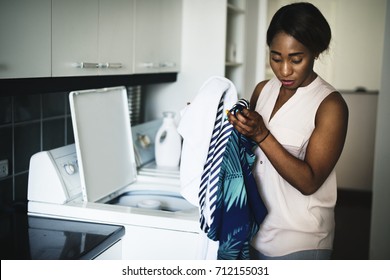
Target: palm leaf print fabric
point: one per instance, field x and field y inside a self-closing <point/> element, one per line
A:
<point x="237" y="209"/>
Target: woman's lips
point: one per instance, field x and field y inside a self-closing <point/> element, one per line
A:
<point x="287" y="83"/>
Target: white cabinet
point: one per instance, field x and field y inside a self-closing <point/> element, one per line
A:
<point x="25" y="28"/>
<point x="154" y="243"/>
<point x="116" y="36"/>
<point x="44" y="38"/>
<point x="235" y="43"/>
<point x="92" y="37"/>
<point x="157" y="34"/>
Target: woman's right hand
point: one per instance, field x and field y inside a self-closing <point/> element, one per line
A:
<point x="249" y="123"/>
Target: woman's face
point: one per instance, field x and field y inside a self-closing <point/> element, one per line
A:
<point x="291" y="62"/>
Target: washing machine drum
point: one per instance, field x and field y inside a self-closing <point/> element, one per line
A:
<point x="157" y="200"/>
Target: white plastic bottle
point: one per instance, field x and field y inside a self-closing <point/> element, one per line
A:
<point x="168" y="142"/>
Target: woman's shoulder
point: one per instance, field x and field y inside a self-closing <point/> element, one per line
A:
<point x="335" y="99"/>
<point x="261" y="85"/>
<point x="256" y="93"/>
<point x="333" y="108"/>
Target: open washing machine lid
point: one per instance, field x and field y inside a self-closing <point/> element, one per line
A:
<point x="103" y="141"/>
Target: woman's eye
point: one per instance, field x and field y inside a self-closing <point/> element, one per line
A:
<point x="276" y="59"/>
<point x="297" y="61"/>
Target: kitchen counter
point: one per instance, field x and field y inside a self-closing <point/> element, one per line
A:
<point x="24" y="237"/>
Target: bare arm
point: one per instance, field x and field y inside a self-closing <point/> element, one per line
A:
<point x="324" y="148"/>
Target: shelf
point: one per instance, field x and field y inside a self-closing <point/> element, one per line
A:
<point x="235" y="9"/>
<point x="233" y="64"/>
<point x="235" y="43"/>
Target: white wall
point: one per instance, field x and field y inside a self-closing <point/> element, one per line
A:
<point x="380" y="219"/>
<point x="256" y="25"/>
<point x="356" y="164"/>
<point x="358" y="42"/>
<point x="203" y="56"/>
<point x="354" y="58"/>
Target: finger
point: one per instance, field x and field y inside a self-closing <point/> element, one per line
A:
<point x="245" y="112"/>
<point x="243" y="124"/>
<point x="240" y="124"/>
<point x="241" y="116"/>
<point x="233" y="120"/>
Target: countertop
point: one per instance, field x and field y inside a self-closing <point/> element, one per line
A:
<point x="24" y="237"/>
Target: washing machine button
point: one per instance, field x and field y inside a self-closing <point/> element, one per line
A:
<point x="69" y="168"/>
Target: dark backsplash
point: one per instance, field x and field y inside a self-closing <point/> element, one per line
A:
<point x="29" y="124"/>
<point x="35" y="116"/>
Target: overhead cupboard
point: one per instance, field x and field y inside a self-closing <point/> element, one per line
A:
<point x="25" y="38"/>
<point x="92" y="37"/>
<point x="57" y="38"/>
<point x="157" y="32"/>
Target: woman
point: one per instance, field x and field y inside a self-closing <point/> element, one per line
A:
<point x="300" y="123"/>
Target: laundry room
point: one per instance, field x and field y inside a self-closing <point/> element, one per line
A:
<point x="69" y="70"/>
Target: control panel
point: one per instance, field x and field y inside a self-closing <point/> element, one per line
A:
<point x="69" y="170"/>
<point x="54" y="176"/>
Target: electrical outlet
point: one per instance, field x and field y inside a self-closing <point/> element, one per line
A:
<point x="3" y="168"/>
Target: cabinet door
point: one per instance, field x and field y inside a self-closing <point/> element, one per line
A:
<point x="147" y="36"/>
<point x="74" y="37"/>
<point x="25" y="38"/>
<point x="170" y="44"/>
<point x="157" y="36"/>
<point x="116" y="36"/>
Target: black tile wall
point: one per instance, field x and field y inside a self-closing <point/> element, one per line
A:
<point x="53" y="105"/>
<point x="69" y="130"/>
<point x="6" y="192"/>
<point x="27" y="141"/>
<point x="5" y="109"/>
<point x="53" y="134"/>
<point x="6" y="145"/>
<point x="29" y="124"/>
<point x="27" y="108"/>
<point x="20" y="188"/>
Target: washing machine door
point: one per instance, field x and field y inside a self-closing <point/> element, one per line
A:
<point x="103" y="140"/>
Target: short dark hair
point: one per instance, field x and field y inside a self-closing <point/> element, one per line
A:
<point x="305" y="23"/>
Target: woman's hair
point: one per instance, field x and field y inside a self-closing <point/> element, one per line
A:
<point x="305" y="23"/>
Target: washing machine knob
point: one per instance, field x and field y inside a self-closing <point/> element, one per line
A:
<point x="69" y="168"/>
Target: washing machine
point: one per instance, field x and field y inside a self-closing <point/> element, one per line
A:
<point x="109" y="176"/>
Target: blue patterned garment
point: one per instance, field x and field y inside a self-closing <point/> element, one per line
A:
<point x="237" y="209"/>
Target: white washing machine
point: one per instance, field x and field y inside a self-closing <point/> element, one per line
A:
<point x="97" y="180"/>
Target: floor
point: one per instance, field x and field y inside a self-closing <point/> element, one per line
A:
<point x="353" y="218"/>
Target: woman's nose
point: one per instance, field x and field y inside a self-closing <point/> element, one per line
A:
<point x="285" y="69"/>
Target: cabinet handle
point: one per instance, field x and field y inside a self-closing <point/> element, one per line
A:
<point x="87" y="65"/>
<point x="110" y="65"/>
<point x="149" y="65"/>
<point x="167" y="64"/>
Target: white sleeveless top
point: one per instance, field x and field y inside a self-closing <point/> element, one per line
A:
<point x="295" y="222"/>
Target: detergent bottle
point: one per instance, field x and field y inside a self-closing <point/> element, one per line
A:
<point x="168" y="142"/>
